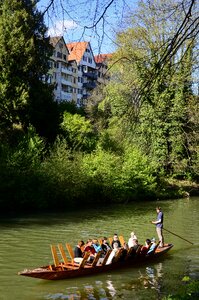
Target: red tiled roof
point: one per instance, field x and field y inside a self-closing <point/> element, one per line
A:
<point x="76" y="50"/>
<point x="102" y="57"/>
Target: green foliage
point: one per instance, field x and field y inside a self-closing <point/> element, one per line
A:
<point x="78" y="132"/>
<point x="70" y="107"/>
<point x="188" y="291"/>
<point x="62" y="172"/>
<point x="150" y="99"/>
<point x="138" y="177"/>
<point x="28" y="152"/>
<point x="142" y="129"/>
<point x="115" y="177"/>
<point x="102" y="170"/>
<point x="24" y="58"/>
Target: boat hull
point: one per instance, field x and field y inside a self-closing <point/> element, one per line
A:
<point x="67" y="273"/>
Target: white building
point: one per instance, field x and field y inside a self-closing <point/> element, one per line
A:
<point x="75" y="71"/>
<point x="82" y="53"/>
<point x="63" y="71"/>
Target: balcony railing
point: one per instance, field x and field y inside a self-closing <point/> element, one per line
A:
<point x="66" y="70"/>
<point x="66" y="96"/>
<point x="92" y="75"/>
<point x="89" y="85"/>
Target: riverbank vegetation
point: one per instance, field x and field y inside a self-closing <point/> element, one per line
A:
<point x="188" y="290"/>
<point x="137" y="138"/>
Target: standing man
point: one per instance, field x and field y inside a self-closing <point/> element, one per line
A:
<point x="159" y="225"/>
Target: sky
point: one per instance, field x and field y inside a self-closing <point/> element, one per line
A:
<point x="102" y="18"/>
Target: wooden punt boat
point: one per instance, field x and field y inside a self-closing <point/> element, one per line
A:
<point x="69" y="269"/>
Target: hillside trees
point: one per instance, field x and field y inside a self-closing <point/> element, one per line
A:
<point x="24" y="51"/>
<point x="152" y="95"/>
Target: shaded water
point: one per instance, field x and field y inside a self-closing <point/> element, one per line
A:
<point x="24" y="243"/>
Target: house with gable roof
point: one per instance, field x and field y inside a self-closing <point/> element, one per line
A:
<point x="102" y="61"/>
<point x="63" y="71"/>
<point x="82" y="53"/>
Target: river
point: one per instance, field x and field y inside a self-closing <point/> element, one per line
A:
<point x="25" y="240"/>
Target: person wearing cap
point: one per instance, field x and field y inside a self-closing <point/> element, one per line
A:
<point x="159" y="225"/>
<point x="152" y="246"/>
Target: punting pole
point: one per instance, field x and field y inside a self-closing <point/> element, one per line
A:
<point x="177" y="235"/>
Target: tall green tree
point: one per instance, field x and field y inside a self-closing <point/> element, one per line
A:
<point x="24" y="52"/>
<point x="150" y="95"/>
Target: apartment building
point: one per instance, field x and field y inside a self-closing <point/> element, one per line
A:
<point x="75" y="71"/>
<point x="82" y="53"/>
<point x="63" y="71"/>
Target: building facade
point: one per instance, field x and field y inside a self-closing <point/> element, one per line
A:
<point x="102" y="61"/>
<point x="75" y="71"/>
<point x="63" y="72"/>
<point x="87" y="75"/>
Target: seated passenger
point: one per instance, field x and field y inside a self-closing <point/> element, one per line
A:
<point x="152" y="247"/>
<point x="136" y="244"/>
<point x="113" y="253"/>
<point x="125" y="246"/>
<point x="78" y="251"/>
<point x="89" y="248"/>
<point x="145" y="248"/>
<point x="116" y="241"/>
<point x="105" y="245"/>
<point x="78" y="254"/>
<point x="96" y="245"/>
<point x="124" y="252"/>
<point x="132" y="240"/>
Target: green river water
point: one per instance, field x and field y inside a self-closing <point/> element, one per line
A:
<point x="24" y="243"/>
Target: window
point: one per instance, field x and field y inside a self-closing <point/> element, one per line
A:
<point x="66" y="88"/>
<point x="64" y="55"/>
<point x="84" y="58"/>
<point x="80" y="91"/>
<point x="90" y="60"/>
<point x="85" y="69"/>
<point x="59" y="54"/>
<point x="50" y="64"/>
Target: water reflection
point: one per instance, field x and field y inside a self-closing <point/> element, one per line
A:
<point x="149" y="278"/>
<point x="152" y="278"/>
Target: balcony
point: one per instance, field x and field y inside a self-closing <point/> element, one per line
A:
<point x="66" y="81"/>
<point x="66" y="96"/>
<point x="66" y="70"/>
<point x="91" y="75"/>
<point x="89" y="85"/>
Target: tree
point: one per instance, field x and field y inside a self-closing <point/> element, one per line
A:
<point x="151" y="95"/>
<point x="24" y="54"/>
<point x="78" y="132"/>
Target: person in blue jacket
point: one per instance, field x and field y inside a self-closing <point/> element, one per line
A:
<point x="159" y="225"/>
